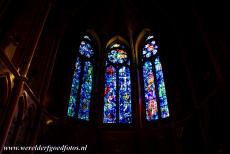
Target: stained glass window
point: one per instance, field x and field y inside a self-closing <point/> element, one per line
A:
<point x="110" y="95"/>
<point x="156" y="105"/>
<point x="117" y="94"/>
<point x="124" y="95"/>
<point x="81" y="89"/>
<point x="86" y="89"/>
<point x="74" y="90"/>
<point x="161" y="89"/>
<point x="117" y="102"/>
<point x="150" y="92"/>
<point x="117" y="56"/>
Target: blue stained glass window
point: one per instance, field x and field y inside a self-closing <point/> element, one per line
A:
<point x="153" y="80"/>
<point x="86" y="49"/>
<point x="150" y="92"/>
<point x="110" y="95"/>
<point x="81" y="89"/>
<point x="74" y="90"/>
<point x="161" y="89"/>
<point x="125" y="111"/>
<point x="86" y="89"/>
<point x="117" y="97"/>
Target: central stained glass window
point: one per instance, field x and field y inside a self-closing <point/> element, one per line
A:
<point x="117" y="93"/>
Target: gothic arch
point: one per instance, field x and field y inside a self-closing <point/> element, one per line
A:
<point x="153" y="95"/>
<point x="118" y="99"/>
<point x="84" y="78"/>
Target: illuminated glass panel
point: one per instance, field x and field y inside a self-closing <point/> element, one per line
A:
<point x="161" y="89"/>
<point x="150" y="92"/>
<point x="86" y="49"/>
<point x="110" y="95"/>
<point x="156" y="104"/>
<point x="85" y="94"/>
<point x="128" y="62"/>
<point x="74" y="90"/>
<point x="117" y="97"/>
<point x="87" y="37"/>
<point x="125" y="111"/>
<point x="117" y="56"/>
<point x="149" y="37"/>
<point x="116" y="45"/>
<point x="149" y="49"/>
<point x="81" y="89"/>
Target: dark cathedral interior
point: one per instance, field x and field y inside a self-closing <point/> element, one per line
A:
<point x="39" y="41"/>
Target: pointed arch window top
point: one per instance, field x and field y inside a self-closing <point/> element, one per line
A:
<point x="82" y="81"/>
<point x="154" y="91"/>
<point x="86" y="48"/>
<point x="117" y="96"/>
<point x="150" y="48"/>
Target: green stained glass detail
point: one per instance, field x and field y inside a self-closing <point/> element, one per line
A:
<point x="161" y="89"/>
<point x="74" y="90"/>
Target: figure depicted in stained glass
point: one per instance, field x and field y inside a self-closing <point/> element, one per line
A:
<point x="117" y="98"/>
<point x="110" y="95"/>
<point x="125" y="111"/>
<point x="150" y="92"/>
